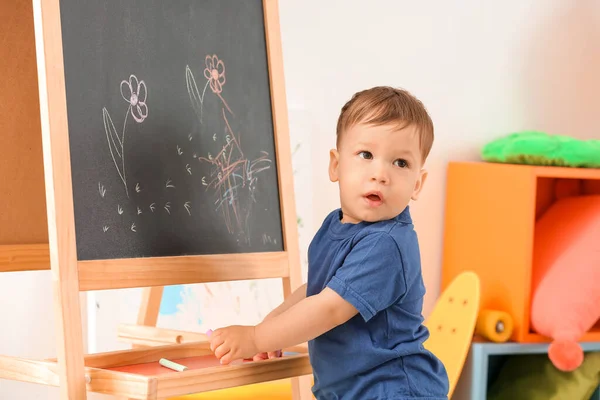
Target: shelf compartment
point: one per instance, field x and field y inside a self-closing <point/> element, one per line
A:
<point x="489" y="229"/>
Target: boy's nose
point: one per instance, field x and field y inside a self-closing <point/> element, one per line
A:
<point x="379" y="174"/>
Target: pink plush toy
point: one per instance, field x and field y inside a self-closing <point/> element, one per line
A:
<point x="566" y="275"/>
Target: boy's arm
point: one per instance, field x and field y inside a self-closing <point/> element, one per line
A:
<point x="309" y="318"/>
<point x="299" y="294"/>
<point x="371" y="279"/>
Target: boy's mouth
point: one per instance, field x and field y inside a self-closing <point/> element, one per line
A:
<point x="374" y="198"/>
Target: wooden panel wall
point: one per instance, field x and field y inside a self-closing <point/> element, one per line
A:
<point x="22" y="196"/>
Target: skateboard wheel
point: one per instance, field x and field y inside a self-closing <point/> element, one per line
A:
<point x="494" y="325"/>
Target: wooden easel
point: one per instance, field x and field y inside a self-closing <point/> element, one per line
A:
<point x="114" y="373"/>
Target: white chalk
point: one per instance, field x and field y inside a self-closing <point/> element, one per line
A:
<point x="172" y="365"/>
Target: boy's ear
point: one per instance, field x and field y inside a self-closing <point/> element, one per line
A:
<point x="419" y="184"/>
<point x="334" y="162"/>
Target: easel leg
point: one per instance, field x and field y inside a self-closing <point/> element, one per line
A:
<point x="69" y="335"/>
<point x="301" y="385"/>
<point x="148" y="314"/>
<point x="151" y="298"/>
<point x="149" y="308"/>
<point x="59" y="200"/>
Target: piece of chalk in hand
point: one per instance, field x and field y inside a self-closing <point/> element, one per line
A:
<point x="172" y="365"/>
<point x="209" y="332"/>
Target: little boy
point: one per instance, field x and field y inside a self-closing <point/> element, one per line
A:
<point x="361" y="309"/>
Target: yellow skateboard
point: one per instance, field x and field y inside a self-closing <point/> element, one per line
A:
<point x="452" y="323"/>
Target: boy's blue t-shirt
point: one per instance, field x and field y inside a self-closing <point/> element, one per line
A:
<point x="378" y="354"/>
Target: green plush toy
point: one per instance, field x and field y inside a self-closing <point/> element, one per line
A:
<point x="539" y="148"/>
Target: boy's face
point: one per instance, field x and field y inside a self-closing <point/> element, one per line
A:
<point x="379" y="171"/>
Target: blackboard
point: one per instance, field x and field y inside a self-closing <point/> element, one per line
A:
<point x="170" y="128"/>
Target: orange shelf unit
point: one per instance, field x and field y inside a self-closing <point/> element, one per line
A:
<point x="489" y="229"/>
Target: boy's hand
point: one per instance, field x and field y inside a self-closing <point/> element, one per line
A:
<point x="233" y="343"/>
<point x="267" y="356"/>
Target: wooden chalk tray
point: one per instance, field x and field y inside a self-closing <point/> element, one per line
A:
<point x="136" y="373"/>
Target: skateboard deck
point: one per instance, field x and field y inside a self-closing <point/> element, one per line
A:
<point x="452" y="323"/>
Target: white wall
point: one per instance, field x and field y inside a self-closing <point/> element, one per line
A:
<point x="483" y="69"/>
<point x="26" y="301"/>
<point x="28" y="328"/>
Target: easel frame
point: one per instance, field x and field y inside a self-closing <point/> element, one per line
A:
<point x="73" y="371"/>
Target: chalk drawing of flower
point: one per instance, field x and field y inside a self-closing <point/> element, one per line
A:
<point x="215" y="73"/>
<point x="134" y="92"/>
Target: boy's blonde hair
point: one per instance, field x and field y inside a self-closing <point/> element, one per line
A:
<point x="383" y="105"/>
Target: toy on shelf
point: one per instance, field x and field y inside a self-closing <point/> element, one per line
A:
<point x="540" y="148"/>
<point x="451" y="324"/>
<point x="566" y="271"/>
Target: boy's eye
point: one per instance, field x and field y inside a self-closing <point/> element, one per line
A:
<point x="366" y="155"/>
<point x="401" y="163"/>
